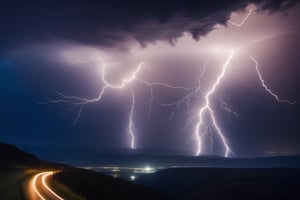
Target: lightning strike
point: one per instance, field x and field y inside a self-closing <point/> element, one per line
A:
<point x="124" y="81"/>
<point x="266" y="87"/>
<point x="81" y="102"/>
<point x="150" y="102"/>
<point x="187" y="98"/>
<point x="243" y="20"/>
<point x="201" y="128"/>
<point x="130" y="123"/>
<point x="149" y="84"/>
<point x="228" y="109"/>
<point x="271" y="36"/>
<point x="207" y="109"/>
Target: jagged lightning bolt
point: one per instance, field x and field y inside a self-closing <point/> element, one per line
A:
<point x="84" y="101"/>
<point x="81" y="102"/>
<point x="131" y="127"/>
<point x="270" y="36"/>
<point x="266" y="87"/>
<point x="243" y="20"/>
<point x="188" y="97"/>
<point x="206" y="108"/>
<point x="201" y="128"/>
<point x="150" y="102"/>
<point x="228" y="109"/>
<point x="124" y="81"/>
<point x="150" y="85"/>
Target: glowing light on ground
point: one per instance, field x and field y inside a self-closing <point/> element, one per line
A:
<point x="132" y="177"/>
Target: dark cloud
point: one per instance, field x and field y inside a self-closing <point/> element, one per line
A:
<point x="109" y="22"/>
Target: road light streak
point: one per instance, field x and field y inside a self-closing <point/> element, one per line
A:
<point x="44" y="176"/>
<point x="35" y="187"/>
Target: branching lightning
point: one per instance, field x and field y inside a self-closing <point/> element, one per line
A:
<point x="266" y="87"/>
<point x="81" y="102"/>
<point x="204" y="122"/>
<point x="228" y="109"/>
<point x="243" y="20"/>
<point x="186" y="100"/>
<point x="198" y="134"/>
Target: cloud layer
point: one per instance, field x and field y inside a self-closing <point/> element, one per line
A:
<point x="113" y="22"/>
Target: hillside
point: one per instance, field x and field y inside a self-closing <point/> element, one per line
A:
<point x="17" y="166"/>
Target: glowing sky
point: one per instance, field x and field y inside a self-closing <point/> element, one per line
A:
<point x="46" y="80"/>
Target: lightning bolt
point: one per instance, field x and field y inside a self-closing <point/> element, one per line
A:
<point x="270" y="36"/>
<point x="150" y="102"/>
<point x="185" y="100"/>
<point x="124" y="81"/>
<point x="131" y="127"/>
<point x="266" y="87"/>
<point x="150" y="85"/>
<point x="206" y="108"/>
<point x="228" y="109"/>
<point x="243" y="20"/>
<point x="81" y="102"/>
<point x="201" y="128"/>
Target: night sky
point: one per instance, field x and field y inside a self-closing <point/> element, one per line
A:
<point x="53" y="52"/>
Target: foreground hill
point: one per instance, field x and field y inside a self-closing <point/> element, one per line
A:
<point x="16" y="166"/>
<point x="12" y="158"/>
<point x="93" y="185"/>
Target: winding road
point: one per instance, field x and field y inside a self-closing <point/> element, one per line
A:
<point x="37" y="188"/>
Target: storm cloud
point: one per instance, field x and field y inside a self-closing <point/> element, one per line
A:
<point x="114" y="22"/>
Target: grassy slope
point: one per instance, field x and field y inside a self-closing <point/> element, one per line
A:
<point x="16" y="167"/>
<point x="11" y="183"/>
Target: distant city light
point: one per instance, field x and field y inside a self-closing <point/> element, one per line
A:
<point x="148" y="169"/>
<point x="132" y="177"/>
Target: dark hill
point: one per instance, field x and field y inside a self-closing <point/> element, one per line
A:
<point x="10" y="154"/>
<point x="93" y="185"/>
<point x="14" y="162"/>
<point x="226" y="183"/>
<point x="11" y="157"/>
